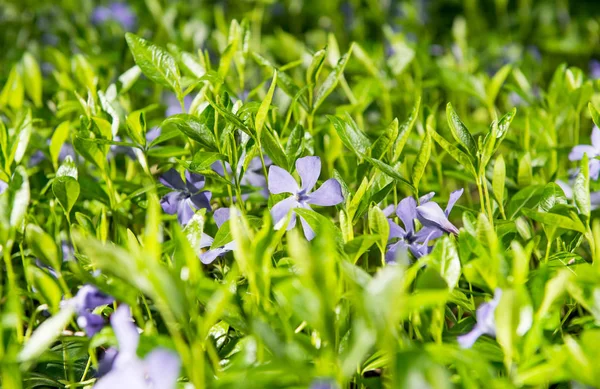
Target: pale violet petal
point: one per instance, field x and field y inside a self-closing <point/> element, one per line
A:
<point x="328" y="194"/>
<point x="280" y="181"/>
<point x="309" y="169"/>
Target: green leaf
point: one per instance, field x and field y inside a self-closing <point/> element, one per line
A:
<point x="61" y="134"/>
<point x="525" y="173"/>
<point x="263" y="110"/>
<point x="45" y="335"/>
<point x="351" y="136"/>
<point x="223" y="236"/>
<point x="446" y="261"/>
<point x="13" y="91"/>
<point x="21" y="139"/>
<point x="312" y="73"/>
<point x="498" y="180"/>
<point x="14" y="202"/>
<point x="551" y="196"/>
<point x="274" y="149"/>
<point x="383" y="144"/>
<point x="378" y="224"/>
<point x="405" y="130"/>
<point x="460" y="131"/>
<point x="192" y="127"/>
<point x="463" y="159"/>
<point x="423" y="156"/>
<point x="43" y="246"/>
<point x="595" y="114"/>
<point x="47" y="288"/>
<point x="84" y="73"/>
<point x="136" y="126"/>
<point x="390" y="171"/>
<point x="556" y="220"/>
<point x="581" y="188"/>
<point x="317" y="221"/>
<point x="193" y="231"/>
<point x="203" y="160"/>
<point x="331" y="81"/>
<point x="293" y="147"/>
<point x="493" y="88"/>
<point x="32" y="78"/>
<point x="156" y="63"/>
<point x="66" y="189"/>
<point x="359" y="245"/>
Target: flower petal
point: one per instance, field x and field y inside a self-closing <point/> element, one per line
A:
<point x="407" y="212"/>
<point x="566" y="188"/>
<point x="126" y="333"/>
<point x="90" y="322"/>
<point x="395" y="230"/>
<point x="454" y="196"/>
<point x="430" y="214"/>
<point x="281" y="209"/>
<point x="209" y="256"/>
<point x="172" y="179"/>
<point x="309" y="233"/>
<point x="594" y="166"/>
<point x="185" y="211"/>
<point x="468" y="340"/>
<point x="221" y="215"/>
<point x="389" y="210"/>
<point x="280" y="181"/>
<point x="428" y="233"/>
<point x="163" y="368"/>
<point x="194" y="182"/>
<point x="596" y="138"/>
<point x="205" y="240"/>
<point x="425" y="198"/>
<point x="330" y="193"/>
<point x="201" y="200"/>
<point x="577" y="152"/>
<point x="170" y="202"/>
<point x="89" y="297"/>
<point x="396" y="251"/>
<point x="309" y="169"/>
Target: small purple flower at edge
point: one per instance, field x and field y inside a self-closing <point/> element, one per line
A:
<point x="3" y="186"/>
<point x="159" y="369"/>
<point x="186" y="198"/>
<point x="594" y="69"/>
<point x="434" y="220"/>
<point x="309" y="169"/>
<point x="486" y="322"/>
<point x="220" y="215"/>
<point x="592" y="152"/>
<point x="118" y="12"/>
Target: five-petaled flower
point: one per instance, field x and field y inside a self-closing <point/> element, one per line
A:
<point x="220" y="215"/>
<point x="186" y="198"/>
<point x="431" y="216"/>
<point x="118" y="12"/>
<point x="159" y="369"/>
<point x="280" y="181"/>
<point x="592" y="152"/>
<point x="486" y="322"/>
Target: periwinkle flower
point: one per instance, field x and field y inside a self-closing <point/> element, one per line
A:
<point x="220" y="215"/>
<point x="323" y="384"/>
<point x="186" y="197"/>
<point x="592" y="152"/>
<point x="486" y="323"/>
<point x="85" y="301"/>
<point x="3" y="186"/>
<point x="280" y="181"/>
<point x="118" y="12"/>
<point x="159" y="369"/>
<point x="434" y="220"/>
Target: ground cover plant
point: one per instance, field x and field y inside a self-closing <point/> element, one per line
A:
<point x="299" y="194"/>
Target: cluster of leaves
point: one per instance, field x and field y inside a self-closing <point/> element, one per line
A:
<point x="94" y="118"/>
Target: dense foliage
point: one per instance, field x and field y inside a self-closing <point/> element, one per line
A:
<point x="299" y="194"/>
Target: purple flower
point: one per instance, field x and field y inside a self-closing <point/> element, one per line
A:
<point x="118" y="12"/>
<point x="174" y="107"/>
<point x="595" y="69"/>
<point x="486" y="323"/>
<point x="568" y="190"/>
<point x="435" y="223"/>
<point x="186" y="198"/>
<point x="159" y="369"/>
<point x="323" y="384"/>
<point x="309" y="169"/>
<point x="220" y="215"/>
<point x="3" y="186"/>
<point x="592" y="152"/>
<point x="87" y="299"/>
<point x="431" y="215"/>
<point x="253" y="176"/>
